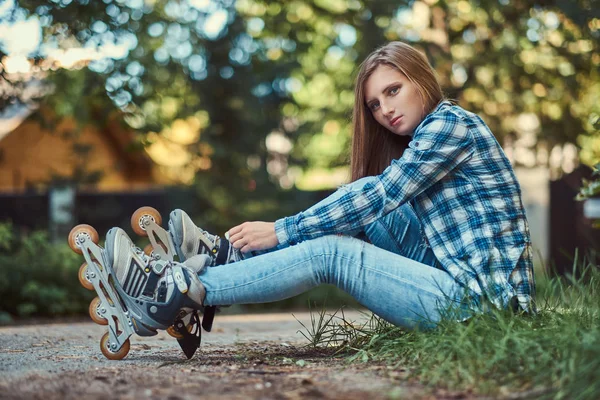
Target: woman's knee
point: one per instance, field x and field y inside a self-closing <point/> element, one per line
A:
<point x="324" y="245"/>
<point x="329" y="250"/>
<point x="333" y="255"/>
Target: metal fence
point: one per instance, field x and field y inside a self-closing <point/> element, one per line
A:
<point x="33" y="211"/>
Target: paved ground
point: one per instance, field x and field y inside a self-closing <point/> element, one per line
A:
<point x="37" y="348"/>
<point x="252" y="356"/>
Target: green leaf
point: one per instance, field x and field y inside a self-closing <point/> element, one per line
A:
<point x="301" y="363"/>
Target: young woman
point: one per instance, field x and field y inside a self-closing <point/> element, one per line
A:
<point x="430" y="184"/>
<point x="431" y="190"/>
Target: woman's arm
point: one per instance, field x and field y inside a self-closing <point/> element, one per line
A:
<point x="441" y="143"/>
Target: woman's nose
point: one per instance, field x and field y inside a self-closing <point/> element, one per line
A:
<point x="387" y="109"/>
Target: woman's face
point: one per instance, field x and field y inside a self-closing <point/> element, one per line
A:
<point x="393" y="100"/>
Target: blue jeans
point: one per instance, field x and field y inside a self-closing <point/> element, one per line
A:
<point x="396" y="275"/>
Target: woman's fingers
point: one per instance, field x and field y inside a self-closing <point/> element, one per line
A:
<point x="235" y="234"/>
<point x="235" y="230"/>
<point x="234" y="238"/>
<point x="238" y="244"/>
<point x="238" y="237"/>
<point x="253" y="236"/>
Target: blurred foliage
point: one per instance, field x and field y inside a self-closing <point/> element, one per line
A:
<point x="38" y="278"/>
<point x="591" y="188"/>
<point x="590" y="142"/>
<point x="267" y="86"/>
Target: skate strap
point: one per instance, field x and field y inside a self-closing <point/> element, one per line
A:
<point x="190" y="342"/>
<point x="208" y="317"/>
<point x="151" y="284"/>
<point x="223" y="252"/>
<point x="204" y="248"/>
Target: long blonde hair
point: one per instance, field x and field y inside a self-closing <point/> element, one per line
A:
<point x="373" y="146"/>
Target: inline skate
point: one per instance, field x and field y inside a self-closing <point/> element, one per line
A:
<point x="138" y="293"/>
<point x="182" y="239"/>
<point x="185" y="240"/>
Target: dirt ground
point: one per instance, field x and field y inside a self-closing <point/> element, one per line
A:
<point x="245" y="357"/>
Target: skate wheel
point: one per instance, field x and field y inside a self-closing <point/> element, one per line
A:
<point x="76" y="234"/>
<point x="94" y="312"/>
<point x="149" y="250"/>
<point x="141" y="215"/>
<point x="173" y="333"/>
<point x="83" y="279"/>
<point x="111" y="354"/>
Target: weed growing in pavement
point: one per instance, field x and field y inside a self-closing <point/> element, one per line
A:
<point x="336" y="331"/>
<point x="555" y="354"/>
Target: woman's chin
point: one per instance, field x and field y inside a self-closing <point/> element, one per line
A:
<point x="402" y="133"/>
<point x="399" y="131"/>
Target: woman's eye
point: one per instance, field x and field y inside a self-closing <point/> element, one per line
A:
<point x="374" y="106"/>
<point x="394" y="90"/>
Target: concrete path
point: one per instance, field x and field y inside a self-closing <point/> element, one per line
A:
<point x="245" y="357"/>
<point x="45" y="349"/>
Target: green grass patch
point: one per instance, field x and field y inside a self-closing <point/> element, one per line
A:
<point x="555" y="354"/>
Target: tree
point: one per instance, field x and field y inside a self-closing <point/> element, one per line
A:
<point x="266" y="87"/>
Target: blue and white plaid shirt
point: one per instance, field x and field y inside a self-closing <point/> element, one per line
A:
<point x="465" y="193"/>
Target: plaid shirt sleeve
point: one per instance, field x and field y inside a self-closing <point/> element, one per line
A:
<point x="440" y="143"/>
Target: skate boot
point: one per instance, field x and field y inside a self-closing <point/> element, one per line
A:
<point x="182" y="239"/>
<point x="189" y="240"/>
<point x="137" y="293"/>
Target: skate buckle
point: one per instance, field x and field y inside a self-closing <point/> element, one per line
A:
<point x="159" y="267"/>
<point x="180" y="280"/>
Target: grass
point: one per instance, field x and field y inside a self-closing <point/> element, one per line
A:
<point x="554" y="355"/>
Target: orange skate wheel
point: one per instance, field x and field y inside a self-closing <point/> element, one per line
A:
<point x="109" y="353"/>
<point x="173" y="333"/>
<point x="77" y="232"/>
<point x="141" y="215"/>
<point x="94" y="314"/>
<point x="85" y="282"/>
<point x="148" y="250"/>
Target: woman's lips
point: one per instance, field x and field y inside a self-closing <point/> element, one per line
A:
<point x="395" y="121"/>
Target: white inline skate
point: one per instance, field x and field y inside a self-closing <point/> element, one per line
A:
<point x="138" y="293"/>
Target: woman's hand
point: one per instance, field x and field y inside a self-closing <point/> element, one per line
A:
<point x="251" y="236"/>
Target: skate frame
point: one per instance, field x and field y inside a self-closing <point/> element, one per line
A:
<point x="100" y="274"/>
<point x="155" y="232"/>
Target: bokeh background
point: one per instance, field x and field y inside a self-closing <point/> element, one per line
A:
<point x="241" y="110"/>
